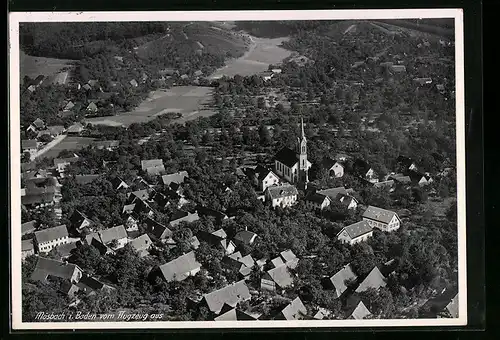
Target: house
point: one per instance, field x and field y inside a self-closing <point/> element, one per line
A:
<point x="47" y="239"/>
<point x="420" y="178"/>
<point x="230" y="315"/>
<point x="36" y="125"/>
<point x="27" y="227"/>
<point x="86" y="179"/>
<point x="277" y="278"/>
<point x="230" y="295"/>
<point x="245" y="237"/>
<point x="46" y="267"/>
<point x="142" y="195"/>
<point x="27" y="248"/>
<point x="75" y="129"/>
<point x="134" y="83"/>
<point x="374" y="280"/>
<point x="444" y="305"/>
<point x="289" y="259"/>
<point x="183" y="216"/>
<point x="382" y="219"/>
<point x="277" y="262"/>
<point x="349" y="201"/>
<point x="400" y="179"/>
<point x="68" y="106"/>
<point x="175" y="178"/>
<point x="244" y="264"/>
<point x="30" y="146"/>
<point x="384" y="184"/>
<point x="342" y="279"/>
<point x="65" y="250"/>
<point x="152" y="166"/>
<point x="261" y="177"/>
<point x="423" y="81"/>
<point x="39" y="200"/>
<point x="119" y="184"/>
<point x="198" y="73"/>
<point x="157" y="229"/>
<point x="62" y="163"/>
<point x="180" y="268"/>
<point x="184" y="77"/>
<point x="219" y="238"/>
<point x="293" y="166"/>
<point x="267" y="75"/>
<point x="90" y="286"/>
<point x="360" y="312"/>
<point x="92" y="107"/>
<point x="109" y="145"/>
<point x="219" y="216"/>
<point x="56" y="130"/>
<point x="405" y="164"/>
<point x="31" y="88"/>
<point x="114" y="238"/>
<point x="398" y="68"/>
<point x="141" y="245"/>
<point x="315" y="200"/>
<point x="87" y="87"/>
<point x="142" y="207"/>
<point x="322" y="314"/>
<point x="79" y="221"/>
<point x="333" y="167"/>
<point x="363" y="170"/>
<point x="355" y="233"/>
<point x="295" y="310"/>
<point x="282" y="195"/>
<point x="276" y="70"/>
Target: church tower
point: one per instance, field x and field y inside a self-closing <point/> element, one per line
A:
<point x="302" y="153"/>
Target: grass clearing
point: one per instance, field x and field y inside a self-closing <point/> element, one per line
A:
<point x="191" y="101"/>
<point x="34" y="66"/>
<point x="69" y="143"/>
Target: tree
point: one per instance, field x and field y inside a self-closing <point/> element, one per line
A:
<point x="264" y="136"/>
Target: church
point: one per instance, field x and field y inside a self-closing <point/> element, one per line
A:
<point x="292" y="165"/>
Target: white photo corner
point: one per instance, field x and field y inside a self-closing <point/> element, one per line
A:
<point x="245" y="169"/>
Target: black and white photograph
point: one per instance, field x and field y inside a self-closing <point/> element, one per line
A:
<point x="237" y="169"/>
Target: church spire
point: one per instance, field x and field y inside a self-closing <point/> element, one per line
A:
<point x="303" y="135"/>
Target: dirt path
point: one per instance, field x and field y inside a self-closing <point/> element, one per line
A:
<point x="49" y="146"/>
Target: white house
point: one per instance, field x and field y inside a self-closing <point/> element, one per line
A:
<point x="282" y="195"/>
<point x="47" y="239"/>
<point x="334" y="167"/>
<point x="317" y="201"/>
<point x="355" y="233"/>
<point x="382" y="219"/>
<point x="263" y="178"/>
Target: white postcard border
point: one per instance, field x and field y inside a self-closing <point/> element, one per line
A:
<point x="15" y="212"/>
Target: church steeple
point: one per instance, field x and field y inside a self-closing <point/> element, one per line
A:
<point x="303" y="177"/>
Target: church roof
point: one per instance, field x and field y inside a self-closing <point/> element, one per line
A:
<point x="287" y="156"/>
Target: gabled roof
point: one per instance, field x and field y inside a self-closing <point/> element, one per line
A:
<point x="316" y="197"/>
<point x="379" y="214"/>
<point x="295" y="310"/>
<point x="281" y="276"/>
<point x="133" y="82"/>
<point x="28" y="227"/>
<point x="452" y="307"/>
<point x="50" y="234"/>
<point x="128" y="208"/>
<point x="360" y="312"/>
<point x="85" y="179"/>
<point x="148" y="163"/>
<point x="245" y="236"/>
<point x="230" y="295"/>
<point x="157" y="229"/>
<point x="177" y="269"/>
<point x="69" y="160"/>
<point x="186" y="217"/>
<point x="357" y="229"/>
<point x="333" y="192"/>
<point x="56" y="129"/>
<point x="360" y="167"/>
<point x="220" y="233"/>
<point x="27" y="245"/>
<point x="87" y="283"/>
<point x="117" y="181"/>
<point x="69" y="106"/>
<point x="374" y="280"/>
<point x="78" y="217"/>
<point x="141" y="243"/>
<point x="37" y="198"/>
<point x="287" y="157"/>
<point x="282" y="191"/>
<point x="38" y="123"/>
<point x="230" y="315"/>
<point x="339" y="279"/>
<point x="177" y="177"/>
<point x="65" y="249"/>
<point x="92" y="106"/>
<point x="45" y="267"/>
<point x="247" y="261"/>
<point x="155" y="170"/>
<point x="108" y="235"/>
<point x="261" y="173"/>
<point x="75" y="128"/>
<point x="277" y="262"/>
<point x="140" y="194"/>
<point x="328" y="163"/>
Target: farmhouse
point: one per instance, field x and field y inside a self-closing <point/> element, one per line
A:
<point x="277" y="278"/>
<point x="27" y="248"/>
<point x="282" y="195"/>
<point x="46" y="267"/>
<point x="342" y="279"/>
<point x="262" y="178"/>
<point x="360" y="312"/>
<point x="245" y="237"/>
<point x="295" y="310"/>
<point x="333" y="167"/>
<point x="374" y="280"/>
<point x="355" y="233"/>
<point x="382" y="219"/>
<point x="230" y="295"/>
<point x="47" y="239"/>
<point x="180" y="268"/>
<point x="141" y="245"/>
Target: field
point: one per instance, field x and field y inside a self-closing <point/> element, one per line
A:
<point x="191" y="101"/>
<point x="261" y="54"/>
<point x="69" y="143"/>
<point x="35" y="66"/>
<point x="438" y="29"/>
